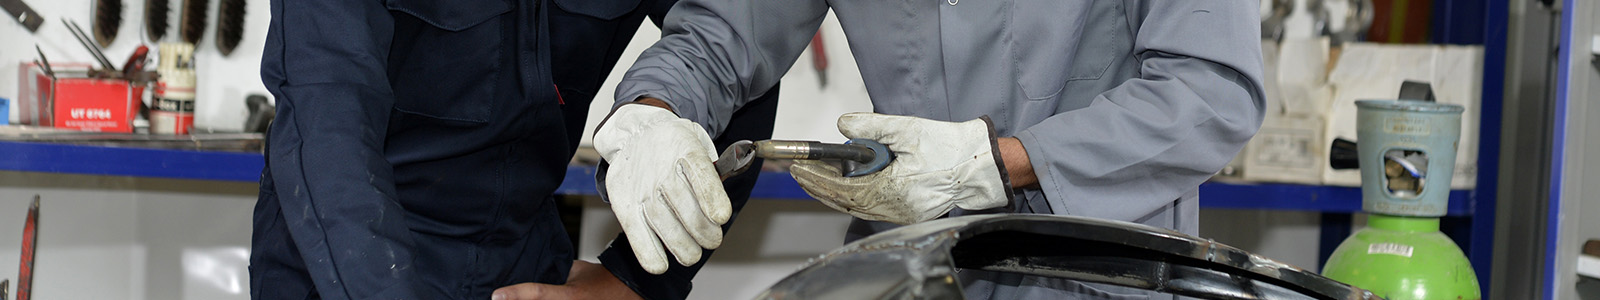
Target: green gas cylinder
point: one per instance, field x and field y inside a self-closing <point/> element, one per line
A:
<point x="1407" y="156"/>
<point x="1403" y="258"/>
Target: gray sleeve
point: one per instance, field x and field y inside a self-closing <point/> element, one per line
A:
<point x="1137" y="147"/>
<point x="716" y="55"/>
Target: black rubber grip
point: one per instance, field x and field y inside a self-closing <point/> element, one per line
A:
<point x="1342" y="155"/>
<point x="855" y="153"/>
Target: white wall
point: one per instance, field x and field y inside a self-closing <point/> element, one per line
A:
<point x="806" y="111"/>
<point x="129" y="238"/>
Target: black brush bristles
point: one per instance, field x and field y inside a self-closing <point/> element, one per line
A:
<point x="230" y="25"/>
<point x="107" y="19"/>
<point x="194" y="20"/>
<point x="156" y="20"/>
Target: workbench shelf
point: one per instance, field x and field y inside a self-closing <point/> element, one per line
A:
<point x="128" y="161"/>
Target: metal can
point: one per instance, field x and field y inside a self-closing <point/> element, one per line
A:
<point x="172" y="109"/>
<point x="173" y="112"/>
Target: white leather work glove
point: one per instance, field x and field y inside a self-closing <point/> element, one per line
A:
<point x="661" y="184"/>
<point x="938" y="166"/>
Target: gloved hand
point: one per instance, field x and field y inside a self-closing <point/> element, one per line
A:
<point x="661" y="184"/>
<point x="938" y="166"/>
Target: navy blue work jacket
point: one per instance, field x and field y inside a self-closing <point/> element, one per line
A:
<point x="418" y="143"/>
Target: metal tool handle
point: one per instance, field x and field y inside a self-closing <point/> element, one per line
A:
<point x="735" y="159"/>
<point x="813" y="151"/>
<point x="23" y="14"/>
<point x="859" y="156"/>
<point x="88" y="43"/>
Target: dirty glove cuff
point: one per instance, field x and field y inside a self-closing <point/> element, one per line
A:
<point x="999" y="163"/>
<point x="989" y="187"/>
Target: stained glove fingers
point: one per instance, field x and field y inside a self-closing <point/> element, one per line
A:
<point x="852" y="195"/>
<point x="671" y="232"/>
<point x="707" y="188"/>
<point x="688" y="211"/>
<point x="806" y="180"/>
<point x="853" y="211"/>
<point x="646" y="247"/>
<point x="824" y="182"/>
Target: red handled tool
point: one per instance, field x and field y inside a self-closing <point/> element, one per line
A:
<point x="30" y="235"/>
<point x="819" y="59"/>
<point x="135" y="62"/>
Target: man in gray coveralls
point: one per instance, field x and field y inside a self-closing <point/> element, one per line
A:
<point x="1111" y="109"/>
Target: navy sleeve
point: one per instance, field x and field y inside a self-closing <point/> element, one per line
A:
<point x="324" y="61"/>
<point x="657" y="10"/>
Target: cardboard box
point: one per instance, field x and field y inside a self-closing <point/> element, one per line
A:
<point x="1375" y="71"/>
<point x="71" y="100"/>
<point x="33" y="93"/>
<point x="1289" y="149"/>
<point x="1288" y="146"/>
<point x="103" y="105"/>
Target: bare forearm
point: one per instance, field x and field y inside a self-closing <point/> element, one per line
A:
<point x="1018" y="167"/>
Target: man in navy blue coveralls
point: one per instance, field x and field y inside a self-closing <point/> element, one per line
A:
<point x="418" y="143"/>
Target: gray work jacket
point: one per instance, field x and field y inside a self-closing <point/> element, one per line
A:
<point x="1124" y="107"/>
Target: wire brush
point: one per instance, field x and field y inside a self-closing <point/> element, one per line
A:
<point x="107" y="19"/>
<point x="156" y="21"/>
<point x="194" y="20"/>
<point x="230" y="25"/>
